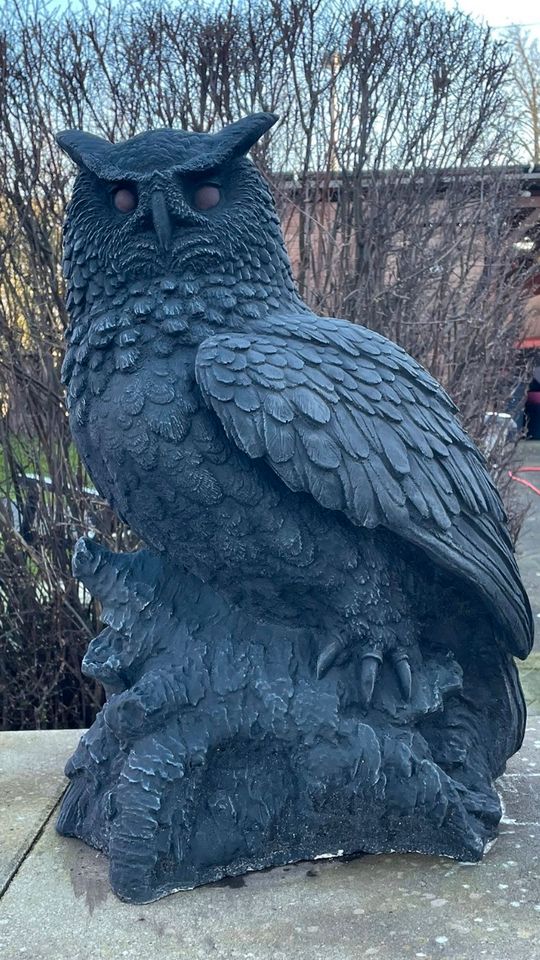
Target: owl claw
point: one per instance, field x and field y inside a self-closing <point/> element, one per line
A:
<point x="404" y="675"/>
<point x="327" y="657"/>
<point x="369" y="669"/>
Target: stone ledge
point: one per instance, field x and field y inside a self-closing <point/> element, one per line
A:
<point x="59" y="906"/>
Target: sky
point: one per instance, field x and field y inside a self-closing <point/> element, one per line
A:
<point x="498" y="13"/>
<point x="502" y="14"/>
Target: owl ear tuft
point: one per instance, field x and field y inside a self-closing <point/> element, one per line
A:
<point x="237" y="138"/>
<point x="85" y="149"/>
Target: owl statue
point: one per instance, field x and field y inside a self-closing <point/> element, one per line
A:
<point x="306" y="476"/>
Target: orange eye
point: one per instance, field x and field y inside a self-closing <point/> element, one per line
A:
<point x="206" y="197"/>
<point x="125" y="200"/>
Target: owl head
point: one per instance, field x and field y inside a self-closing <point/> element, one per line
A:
<point x="168" y="200"/>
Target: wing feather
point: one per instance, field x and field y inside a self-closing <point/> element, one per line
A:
<point x="344" y="414"/>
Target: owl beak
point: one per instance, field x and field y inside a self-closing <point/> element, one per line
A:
<point x="161" y="219"/>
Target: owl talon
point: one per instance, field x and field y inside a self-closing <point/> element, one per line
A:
<point x="328" y="656"/>
<point x="404" y="675"/>
<point x="369" y="670"/>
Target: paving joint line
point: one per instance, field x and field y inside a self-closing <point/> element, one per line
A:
<point x="5" y="885"/>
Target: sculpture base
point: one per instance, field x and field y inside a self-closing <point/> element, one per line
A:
<point x="219" y="751"/>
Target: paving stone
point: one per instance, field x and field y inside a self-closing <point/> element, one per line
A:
<point x="31" y="781"/>
<point x="527" y="761"/>
<point x="529" y="672"/>
<point x="528" y="546"/>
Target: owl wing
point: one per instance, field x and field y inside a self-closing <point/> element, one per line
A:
<point x="345" y="414"/>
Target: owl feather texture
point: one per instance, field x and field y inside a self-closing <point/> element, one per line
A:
<point x="306" y="470"/>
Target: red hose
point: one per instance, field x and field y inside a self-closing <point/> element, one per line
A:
<point x="525" y="483"/>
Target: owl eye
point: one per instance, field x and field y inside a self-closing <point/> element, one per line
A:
<point x="124" y="199"/>
<point x="206" y="197"/>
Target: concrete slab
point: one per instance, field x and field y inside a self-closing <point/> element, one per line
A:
<point x="528" y="556"/>
<point x="59" y="906"/>
<point x="529" y="672"/>
<point x="528" y="545"/>
<point x="31" y="781"/>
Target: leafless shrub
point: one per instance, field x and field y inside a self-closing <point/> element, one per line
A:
<point x="525" y="85"/>
<point x="388" y="168"/>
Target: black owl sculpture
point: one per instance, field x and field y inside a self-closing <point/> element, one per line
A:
<point x="313" y="654"/>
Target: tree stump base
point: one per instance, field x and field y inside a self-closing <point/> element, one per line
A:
<point x="219" y="751"/>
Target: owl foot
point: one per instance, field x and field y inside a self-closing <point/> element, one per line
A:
<point x="372" y="660"/>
